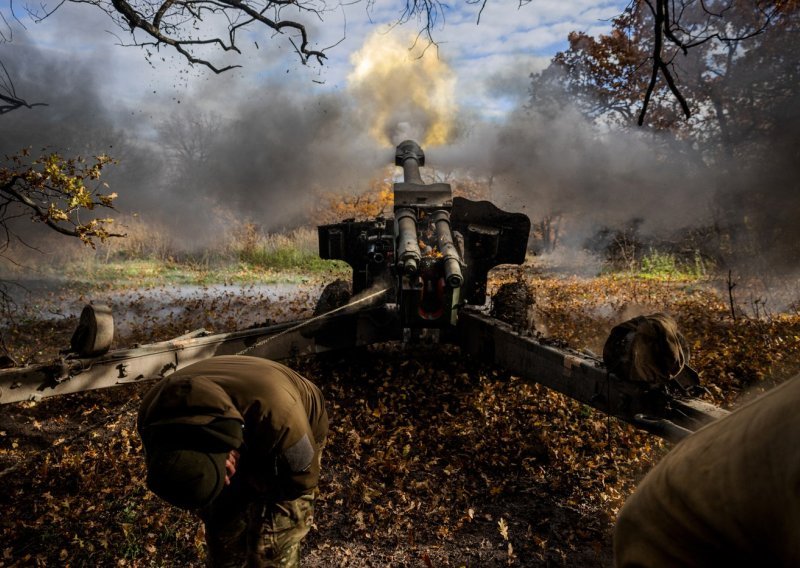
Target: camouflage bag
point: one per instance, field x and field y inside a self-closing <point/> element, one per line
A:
<point x="650" y="349"/>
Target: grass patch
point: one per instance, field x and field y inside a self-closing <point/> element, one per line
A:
<point x="249" y="256"/>
<point x="658" y="265"/>
<point x="286" y="267"/>
<point x="133" y="272"/>
<point x="278" y="251"/>
<point x="150" y="256"/>
<point x="285" y="258"/>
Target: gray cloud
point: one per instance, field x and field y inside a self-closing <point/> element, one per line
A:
<point x="274" y="145"/>
<point x="271" y="148"/>
<point x="548" y="160"/>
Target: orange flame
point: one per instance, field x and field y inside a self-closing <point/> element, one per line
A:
<point x="404" y="92"/>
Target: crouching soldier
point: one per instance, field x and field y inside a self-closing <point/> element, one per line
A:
<point x="728" y="495"/>
<point x="238" y="439"/>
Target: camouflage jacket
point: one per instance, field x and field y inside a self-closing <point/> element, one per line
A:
<point x="728" y="495"/>
<point x="283" y="417"/>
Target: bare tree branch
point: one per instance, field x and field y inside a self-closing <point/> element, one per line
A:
<point x="9" y="100"/>
<point x="192" y="27"/>
<point x="660" y="13"/>
<point x="667" y="25"/>
<point x="429" y="13"/>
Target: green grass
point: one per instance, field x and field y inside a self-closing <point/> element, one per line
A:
<point x="133" y="272"/>
<point x="659" y="264"/>
<point x="663" y="265"/>
<point x="148" y="256"/>
<point x="284" y="258"/>
<point x="282" y="266"/>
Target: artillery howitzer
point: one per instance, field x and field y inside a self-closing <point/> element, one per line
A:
<point x="420" y="275"/>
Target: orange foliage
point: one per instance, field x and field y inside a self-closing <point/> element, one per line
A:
<point x="474" y="189"/>
<point x="375" y="201"/>
<point x="378" y="199"/>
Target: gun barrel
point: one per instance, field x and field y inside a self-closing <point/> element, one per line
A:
<point x="408" y="252"/>
<point x="444" y="237"/>
<point x="410" y="156"/>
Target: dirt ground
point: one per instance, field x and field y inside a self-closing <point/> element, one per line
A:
<point x="432" y="460"/>
<point x="419" y="471"/>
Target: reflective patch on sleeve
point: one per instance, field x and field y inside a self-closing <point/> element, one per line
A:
<point x="300" y="455"/>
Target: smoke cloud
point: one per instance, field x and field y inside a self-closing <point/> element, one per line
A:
<point x="262" y="155"/>
<point x="233" y="149"/>
<point x="205" y="155"/>
<point x="551" y="160"/>
<point x="268" y="159"/>
<point x="403" y="92"/>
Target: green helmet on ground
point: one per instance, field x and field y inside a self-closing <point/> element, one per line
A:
<point x="186" y="463"/>
<point x="650" y="349"/>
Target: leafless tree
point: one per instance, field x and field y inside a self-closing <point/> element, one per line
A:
<point x="9" y="100"/>
<point x="200" y="29"/>
<point x="680" y="25"/>
<point x="188" y="137"/>
<point x="548" y="231"/>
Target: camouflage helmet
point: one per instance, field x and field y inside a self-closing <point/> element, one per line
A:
<point x="650" y="349"/>
<point x="188" y="479"/>
<point x="186" y="462"/>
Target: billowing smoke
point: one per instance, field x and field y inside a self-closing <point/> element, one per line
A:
<point x="561" y="164"/>
<point x="760" y="194"/>
<point x="741" y="205"/>
<point x="262" y="155"/>
<point x="78" y="120"/>
<point x="75" y="120"/>
<point x="235" y="150"/>
<point x="208" y="154"/>
<point x="267" y="160"/>
<point x="403" y="90"/>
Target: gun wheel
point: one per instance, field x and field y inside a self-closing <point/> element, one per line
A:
<point x="335" y="295"/>
<point x="513" y="304"/>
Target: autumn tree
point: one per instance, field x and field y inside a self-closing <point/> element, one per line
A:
<point x="59" y="193"/>
<point x="376" y="201"/>
<point x="742" y="87"/>
<point x="668" y="60"/>
<point x="56" y="192"/>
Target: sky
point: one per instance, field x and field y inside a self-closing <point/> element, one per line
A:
<point x="267" y="138"/>
<point x="490" y="60"/>
<point x="281" y="128"/>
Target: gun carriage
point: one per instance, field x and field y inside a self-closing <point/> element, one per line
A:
<point x="420" y="275"/>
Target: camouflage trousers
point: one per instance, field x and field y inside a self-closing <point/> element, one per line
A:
<point x="259" y="534"/>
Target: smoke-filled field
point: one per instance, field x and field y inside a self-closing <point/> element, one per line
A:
<point x="174" y="158"/>
<point x="432" y="460"/>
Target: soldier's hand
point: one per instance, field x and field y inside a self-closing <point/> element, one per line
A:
<point x="230" y="465"/>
